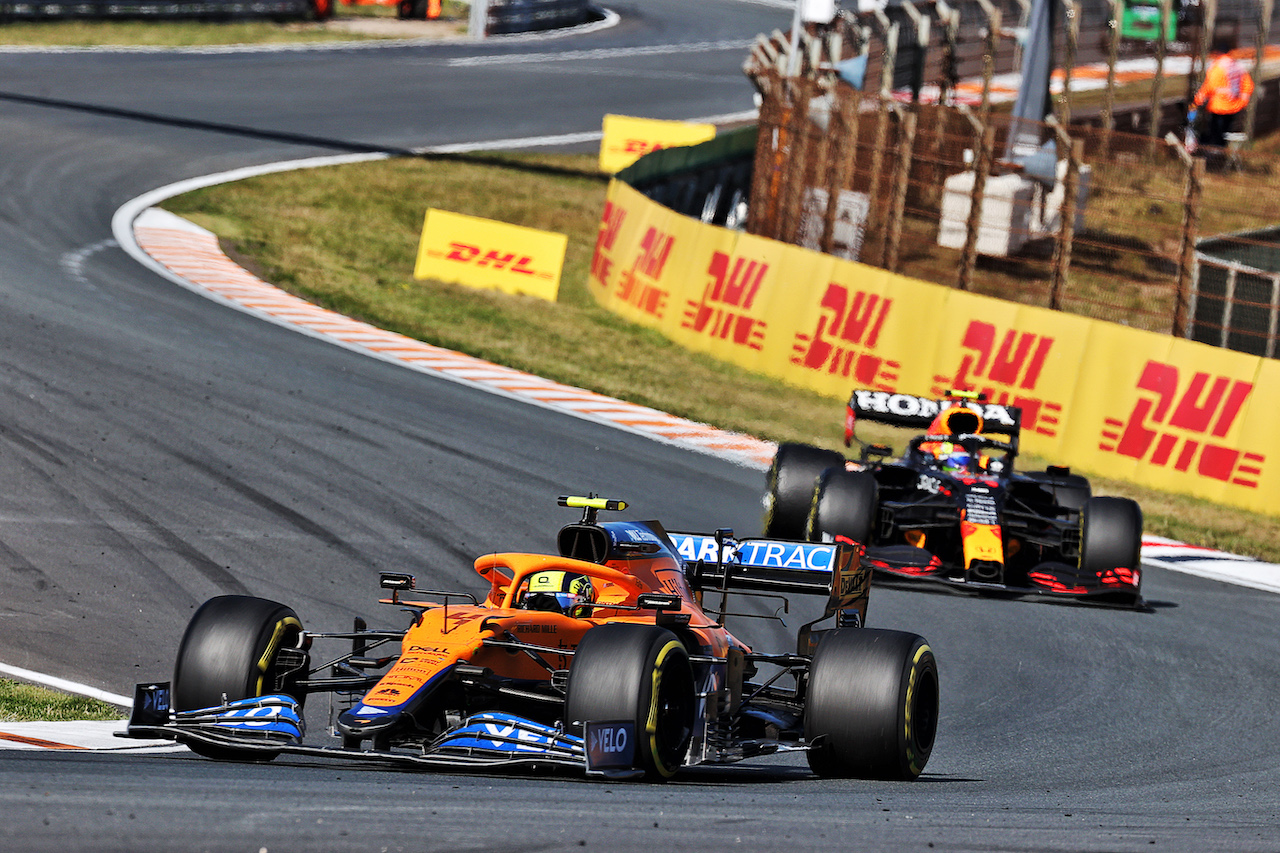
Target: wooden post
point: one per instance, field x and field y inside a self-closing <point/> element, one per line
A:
<point x="989" y="57"/>
<point x="763" y="207"/>
<point x="950" y="18"/>
<point x="1190" y="227"/>
<point x="882" y="120"/>
<point x="845" y="157"/>
<point x="796" y="158"/>
<point x="1109" y="98"/>
<point x="1073" y="38"/>
<point x="986" y="137"/>
<point x="1259" y="45"/>
<point x="1162" y="48"/>
<point x="1209" y="11"/>
<point x="901" y="180"/>
<point x="1067" y="225"/>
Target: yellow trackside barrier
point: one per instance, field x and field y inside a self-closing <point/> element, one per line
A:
<point x="1110" y="400"/>
<point x="627" y="139"/>
<point x="492" y="255"/>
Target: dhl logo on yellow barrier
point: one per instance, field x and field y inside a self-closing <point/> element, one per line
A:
<point x="1105" y="398"/>
<point x="492" y="255"/>
<point x="627" y="139"/>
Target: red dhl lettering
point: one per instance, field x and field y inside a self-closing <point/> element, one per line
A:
<point x="610" y="225"/>
<point x="1017" y="362"/>
<point x="1206" y="408"/>
<point x="466" y="253"/>
<point x="733" y="282"/>
<point x="655" y="248"/>
<point x="1002" y="365"/>
<point x="647" y="297"/>
<point x="844" y="330"/>
<point x="641" y="146"/>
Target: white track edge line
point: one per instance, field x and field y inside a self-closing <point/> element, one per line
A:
<point x="67" y="686"/>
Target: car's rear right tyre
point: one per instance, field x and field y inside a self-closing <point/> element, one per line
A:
<point x="229" y="652"/>
<point x="790" y="488"/>
<point x="638" y="673"/>
<point x="871" y="710"/>
<point x="843" y="508"/>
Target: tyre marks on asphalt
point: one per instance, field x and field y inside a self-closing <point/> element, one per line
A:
<point x="192" y="253"/>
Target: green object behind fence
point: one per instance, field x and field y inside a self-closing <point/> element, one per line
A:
<point x="1141" y="20"/>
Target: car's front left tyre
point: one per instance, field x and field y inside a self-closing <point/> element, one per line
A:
<point x="637" y="673"/>
<point x="229" y="652"/>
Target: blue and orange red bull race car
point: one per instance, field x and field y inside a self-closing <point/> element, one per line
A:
<point x="953" y="511"/>
<point x="610" y="656"/>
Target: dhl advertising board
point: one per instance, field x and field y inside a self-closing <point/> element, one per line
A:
<point x="1110" y="400"/>
<point x="491" y="255"/>
<point x="625" y="139"/>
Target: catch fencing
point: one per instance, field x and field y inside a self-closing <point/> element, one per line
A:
<point x="1098" y="222"/>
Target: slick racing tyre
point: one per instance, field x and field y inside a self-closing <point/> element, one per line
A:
<point x="789" y="490"/>
<point x="844" y="507"/>
<point x="872" y="706"/>
<point x="1069" y="491"/>
<point x="639" y="673"/>
<point x="1110" y="536"/>
<point x="230" y="649"/>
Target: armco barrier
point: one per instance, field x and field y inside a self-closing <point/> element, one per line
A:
<point x="522" y="16"/>
<point x="1155" y="410"/>
<point x="35" y="10"/>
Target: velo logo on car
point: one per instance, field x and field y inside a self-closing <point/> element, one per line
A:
<point x="491" y="255"/>
<point x="1006" y="367"/>
<point x="627" y="139"/>
<point x="1175" y="422"/>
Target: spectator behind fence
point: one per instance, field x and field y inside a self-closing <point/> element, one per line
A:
<point x="1225" y="92"/>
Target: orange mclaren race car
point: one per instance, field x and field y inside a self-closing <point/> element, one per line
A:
<point x="609" y="657"/>
<point x="953" y="511"/>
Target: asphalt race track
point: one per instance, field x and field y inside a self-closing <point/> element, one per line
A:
<point x="158" y="448"/>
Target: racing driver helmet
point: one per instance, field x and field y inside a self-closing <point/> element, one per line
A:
<point x="955" y="461"/>
<point x="560" y="592"/>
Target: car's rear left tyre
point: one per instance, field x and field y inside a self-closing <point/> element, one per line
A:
<point x="229" y="652"/>
<point x="639" y="673"/>
<point x="790" y="486"/>
<point x="1110" y="536"/>
<point x="843" y="508"/>
<point x="871" y="710"/>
